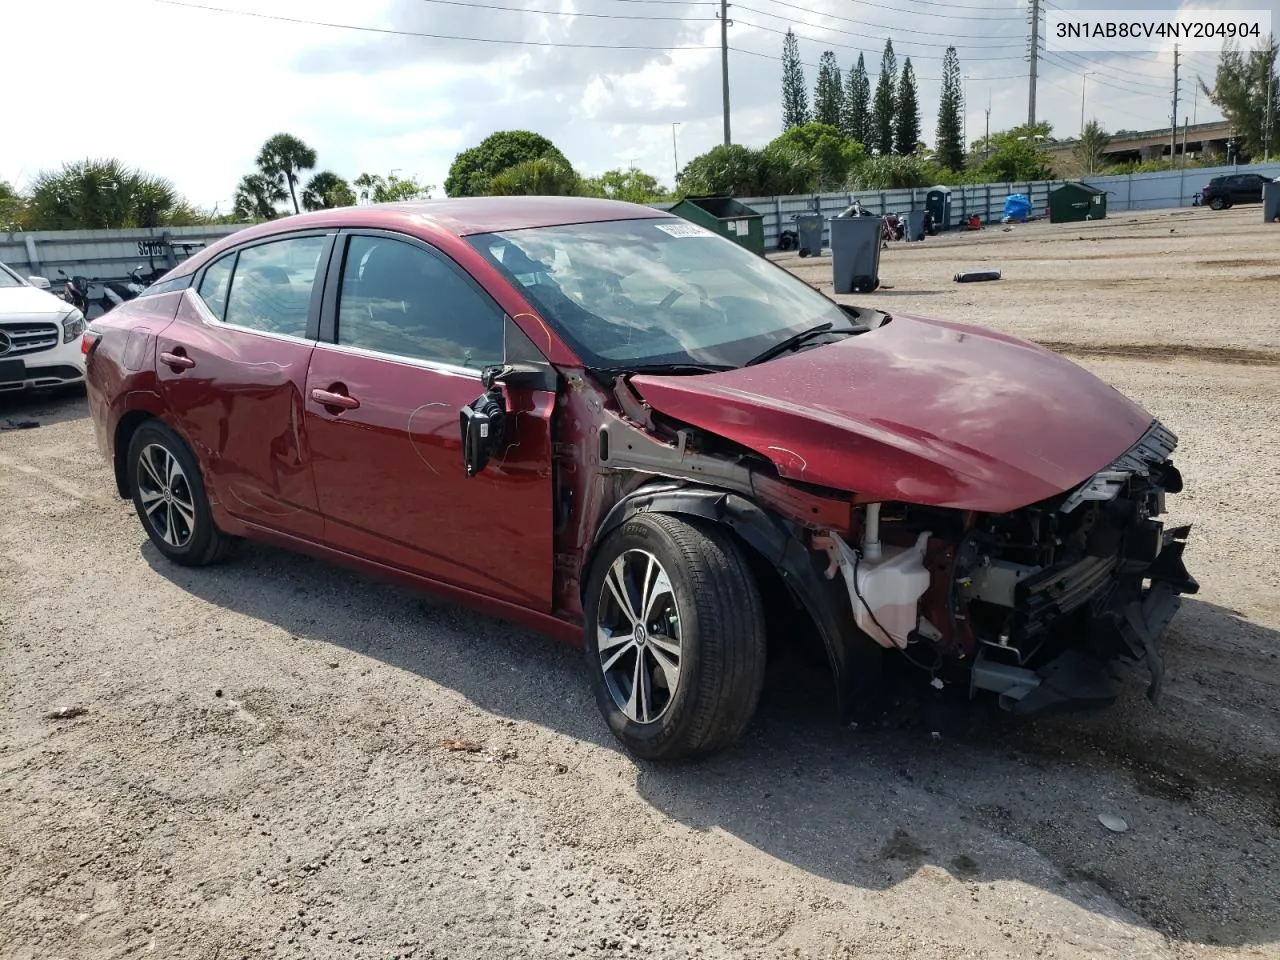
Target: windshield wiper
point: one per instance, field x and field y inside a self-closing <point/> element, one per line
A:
<point x="799" y="339"/>
<point x="674" y="367"/>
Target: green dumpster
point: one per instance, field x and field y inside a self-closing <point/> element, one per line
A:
<point x="1073" y="202"/>
<point x="726" y="216"/>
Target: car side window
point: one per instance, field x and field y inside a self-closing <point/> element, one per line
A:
<point x="399" y="299"/>
<point x="215" y="283"/>
<point x="271" y="289"/>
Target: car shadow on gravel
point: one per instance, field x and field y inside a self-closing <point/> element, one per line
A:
<point x="958" y="794"/>
<point x="45" y="407"/>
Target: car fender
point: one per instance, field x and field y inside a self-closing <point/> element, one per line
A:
<point x="854" y="659"/>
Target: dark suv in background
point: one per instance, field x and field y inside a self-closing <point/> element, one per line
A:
<point x="1222" y="192"/>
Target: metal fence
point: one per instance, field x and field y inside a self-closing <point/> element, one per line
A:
<point x="1135" y="191"/>
<point x="104" y="254"/>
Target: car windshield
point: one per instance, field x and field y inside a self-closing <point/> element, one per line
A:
<point x="8" y="278"/>
<point x="631" y="294"/>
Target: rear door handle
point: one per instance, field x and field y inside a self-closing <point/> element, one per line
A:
<point x="179" y="361"/>
<point x="327" y="398"/>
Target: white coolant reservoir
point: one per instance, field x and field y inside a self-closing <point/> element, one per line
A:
<point x="889" y="588"/>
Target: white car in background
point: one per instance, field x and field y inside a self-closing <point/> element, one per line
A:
<point x="39" y="337"/>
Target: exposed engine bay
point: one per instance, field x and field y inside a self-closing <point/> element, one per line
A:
<point x="1032" y="604"/>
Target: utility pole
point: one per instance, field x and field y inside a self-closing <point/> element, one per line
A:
<point x="675" y="152"/>
<point x="724" y="65"/>
<point x="986" y="137"/>
<point x="1035" y="57"/>
<point x="1173" y="127"/>
<point x="1271" y="79"/>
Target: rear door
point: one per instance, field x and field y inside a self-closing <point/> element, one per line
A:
<point x="409" y="333"/>
<point x="233" y="370"/>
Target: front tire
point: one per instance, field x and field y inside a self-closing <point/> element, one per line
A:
<point x="1217" y="203"/>
<point x="169" y="496"/>
<point x="675" y="637"/>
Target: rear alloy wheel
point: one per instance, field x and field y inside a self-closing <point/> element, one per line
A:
<point x="169" y="496"/>
<point x="675" y="639"/>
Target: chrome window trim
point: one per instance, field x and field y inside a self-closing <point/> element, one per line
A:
<point x="209" y="320"/>
<point x="435" y="366"/>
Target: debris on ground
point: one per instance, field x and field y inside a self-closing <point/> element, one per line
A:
<point x="461" y="746"/>
<point x="977" y="276"/>
<point x="1113" y="823"/>
<point x="20" y="425"/>
<point x="66" y="713"/>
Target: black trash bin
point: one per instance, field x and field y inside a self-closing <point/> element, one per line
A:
<point x="855" y="254"/>
<point x="809" y="227"/>
<point x="938" y="202"/>
<point x="1271" y="201"/>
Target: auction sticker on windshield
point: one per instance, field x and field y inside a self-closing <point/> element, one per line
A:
<point x="684" y="230"/>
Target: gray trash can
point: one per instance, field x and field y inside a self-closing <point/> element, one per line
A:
<point x="1270" y="201"/>
<point x="855" y="254"/>
<point x="915" y="226"/>
<point x="809" y="227"/>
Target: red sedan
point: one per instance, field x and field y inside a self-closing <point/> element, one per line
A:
<point x="619" y="428"/>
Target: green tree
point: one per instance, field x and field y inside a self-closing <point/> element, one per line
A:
<point x="545" y="176"/>
<point x="473" y="169"/>
<point x="833" y="154"/>
<point x="795" y="98"/>
<point x="906" y="124"/>
<point x="884" y="107"/>
<point x="1240" y="90"/>
<point x="101" y="195"/>
<point x="12" y="207"/>
<point x="1016" y="154"/>
<point x="631" y="186"/>
<point x="828" y="96"/>
<point x="374" y="188"/>
<point x="890" y="172"/>
<point x="1090" y="146"/>
<point x="949" y="139"/>
<point x="327" y="190"/>
<point x="282" y="158"/>
<point x="256" y="197"/>
<point x="855" y="115"/>
<point x="780" y="168"/>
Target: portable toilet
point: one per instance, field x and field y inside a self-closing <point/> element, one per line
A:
<point x="726" y="216"/>
<point x="938" y="202"/>
<point x="1075" y="201"/>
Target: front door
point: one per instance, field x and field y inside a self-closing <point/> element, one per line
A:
<point x="232" y="369"/>
<point x="412" y="332"/>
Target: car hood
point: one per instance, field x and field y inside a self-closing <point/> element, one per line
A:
<point x="917" y="410"/>
<point x="28" y="301"/>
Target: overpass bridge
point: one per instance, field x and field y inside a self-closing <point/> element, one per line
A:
<point x="1150" y="144"/>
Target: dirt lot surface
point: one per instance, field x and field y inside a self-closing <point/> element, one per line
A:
<point x="248" y="760"/>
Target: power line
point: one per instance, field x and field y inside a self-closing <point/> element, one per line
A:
<point x="1095" y="68"/>
<point x="1128" y="113"/>
<point x="806" y="63"/>
<point x="865" y="23"/>
<point x="1102" y="82"/>
<point x="848" y="46"/>
<point x="1002" y="45"/>
<point x="567" y="13"/>
<point x="1008" y="15"/>
<point x="431" y="36"/>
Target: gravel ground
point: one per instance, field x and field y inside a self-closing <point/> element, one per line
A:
<point x="260" y="761"/>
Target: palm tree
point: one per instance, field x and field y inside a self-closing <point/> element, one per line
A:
<point x="543" y="177"/>
<point x="1091" y="145"/>
<point x="327" y="190"/>
<point x="256" y="197"/>
<point x="282" y="158"/>
<point x="99" y="194"/>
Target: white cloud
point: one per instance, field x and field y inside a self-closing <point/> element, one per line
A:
<point x="191" y="94"/>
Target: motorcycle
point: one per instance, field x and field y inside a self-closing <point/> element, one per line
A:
<point x="75" y="290"/>
<point x="117" y="292"/>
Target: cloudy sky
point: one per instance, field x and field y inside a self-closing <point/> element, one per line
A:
<point x="189" y="89"/>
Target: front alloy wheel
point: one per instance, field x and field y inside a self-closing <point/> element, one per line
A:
<point x="674" y="636"/>
<point x="638" y="632"/>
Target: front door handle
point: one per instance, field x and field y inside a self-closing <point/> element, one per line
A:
<point x="330" y="399"/>
<point x="178" y="361"/>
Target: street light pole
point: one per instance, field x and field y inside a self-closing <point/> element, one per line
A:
<point x="1084" y="83"/>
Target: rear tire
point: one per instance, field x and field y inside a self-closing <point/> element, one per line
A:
<point x="683" y="677"/>
<point x="169" y="495"/>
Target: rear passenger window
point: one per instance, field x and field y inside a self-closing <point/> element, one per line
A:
<point x="214" y="285"/>
<point x="271" y="289"/>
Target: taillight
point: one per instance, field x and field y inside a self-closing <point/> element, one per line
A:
<point x="88" y="340"/>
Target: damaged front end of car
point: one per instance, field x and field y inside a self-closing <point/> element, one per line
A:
<point x="1033" y="605"/>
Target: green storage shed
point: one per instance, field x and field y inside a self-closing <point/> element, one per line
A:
<point x="1074" y="201"/>
<point x="726" y="216"/>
